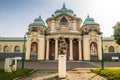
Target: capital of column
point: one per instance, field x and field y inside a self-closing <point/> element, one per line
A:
<point x="47" y="39"/>
<point x="79" y="39"/>
<point x="56" y="38"/>
<point x="70" y="38"/>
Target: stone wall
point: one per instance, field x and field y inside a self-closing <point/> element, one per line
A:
<point x="9" y="55"/>
<point x="108" y="56"/>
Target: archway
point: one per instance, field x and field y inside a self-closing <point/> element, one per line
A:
<point x="34" y="51"/>
<point x="94" y="51"/>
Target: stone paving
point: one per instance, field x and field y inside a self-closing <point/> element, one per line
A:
<point x="75" y="74"/>
<point x="76" y="70"/>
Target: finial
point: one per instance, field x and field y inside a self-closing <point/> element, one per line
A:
<point x="40" y="16"/>
<point x="63" y="4"/>
<point x="88" y="16"/>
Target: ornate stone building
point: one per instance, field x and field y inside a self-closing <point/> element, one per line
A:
<point x="84" y="39"/>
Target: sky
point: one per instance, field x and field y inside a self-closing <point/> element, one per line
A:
<point x="16" y="15"/>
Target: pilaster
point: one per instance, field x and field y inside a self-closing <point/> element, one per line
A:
<point x="47" y="52"/>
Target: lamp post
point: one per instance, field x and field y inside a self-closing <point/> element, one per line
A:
<point x="23" y="56"/>
<point x="102" y="54"/>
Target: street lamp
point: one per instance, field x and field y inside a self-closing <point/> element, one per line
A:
<point x="102" y="53"/>
<point x="23" y="56"/>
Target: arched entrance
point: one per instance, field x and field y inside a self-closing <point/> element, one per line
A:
<point x="94" y="51"/>
<point x="34" y="51"/>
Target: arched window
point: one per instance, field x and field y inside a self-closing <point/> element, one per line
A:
<point x="6" y="49"/>
<point x="111" y="49"/>
<point x="63" y="20"/>
<point x="17" y="49"/>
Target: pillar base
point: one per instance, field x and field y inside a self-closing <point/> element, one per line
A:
<point x="62" y="66"/>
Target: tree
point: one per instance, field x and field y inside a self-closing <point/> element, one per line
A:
<point x="117" y="33"/>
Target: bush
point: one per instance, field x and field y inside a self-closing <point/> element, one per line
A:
<point x="109" y="73"/>
<point x="11" y="76"/>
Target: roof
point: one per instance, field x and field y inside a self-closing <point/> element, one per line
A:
<point x="11" y="38"/>
<point x="63" y="10"/>
<point x="108" y="38"/>
<point x="38" y="21"/>
<point x="89" y="21"/>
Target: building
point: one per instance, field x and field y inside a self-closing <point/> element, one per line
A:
<point x="84" y="39"/>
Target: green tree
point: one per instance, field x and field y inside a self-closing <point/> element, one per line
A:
<point x="117" y="33"/>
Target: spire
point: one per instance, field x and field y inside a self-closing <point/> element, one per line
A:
<point x="64" y="5"/>
<point x="40" y="16"/>
<point x="88" y="16"/>
<point x="64" y="8"/>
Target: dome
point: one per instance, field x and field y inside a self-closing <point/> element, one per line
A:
<point x="38" y="21"/>
<point x="89" y="20"/>
<point x="64" y="10"/>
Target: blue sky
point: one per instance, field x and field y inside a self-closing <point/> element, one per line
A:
<point x="16" y="15"/>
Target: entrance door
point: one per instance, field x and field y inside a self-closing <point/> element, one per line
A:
<point x="75" y="50"/>
<point x="52" y="50"/>
<point x="34" y="51"/>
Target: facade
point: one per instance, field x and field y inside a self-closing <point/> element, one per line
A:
<point x="84" y="39"/>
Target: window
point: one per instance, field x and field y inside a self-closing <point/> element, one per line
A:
<point x="6" y="49"/>
<point x="63" y="20"/>
<point x="111" y="49"/>
<point x="17" y="49"/>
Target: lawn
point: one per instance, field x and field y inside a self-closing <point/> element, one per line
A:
<point x="109" y="73"/>
<point x="11" y="76"/>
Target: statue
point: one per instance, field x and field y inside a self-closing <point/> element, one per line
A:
<point x="62" y="45"/>
<point x="34" y="49"/>
<point x="93" y="49"/>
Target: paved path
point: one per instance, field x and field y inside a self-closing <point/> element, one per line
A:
<point x="75" y="74"/>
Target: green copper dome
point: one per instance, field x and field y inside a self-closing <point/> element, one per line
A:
<point x="64" y="10"/>
<point x="88" y="21"/>
<point x="38" y="21"/>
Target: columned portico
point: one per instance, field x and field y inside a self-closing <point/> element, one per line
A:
<point x="63" y="23"/>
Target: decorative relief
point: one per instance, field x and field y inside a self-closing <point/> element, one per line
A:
<point x="92" y="33"/>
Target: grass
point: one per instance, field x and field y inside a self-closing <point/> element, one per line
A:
<point x="11" y="76"/>
<point x="109" y="73"/>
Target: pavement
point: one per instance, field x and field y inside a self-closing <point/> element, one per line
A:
<point x="74" y="74"/>
<point x="76" y="70"/>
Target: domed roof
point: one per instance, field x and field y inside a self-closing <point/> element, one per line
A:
<point x="38" y="21"/>
<point x="89" y="20"/>
<point x="64" y="10"/>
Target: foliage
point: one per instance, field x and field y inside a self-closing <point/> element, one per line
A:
<point x="109" y="73"/>
<point x="11" y="76"/>
<point x="117" y="33"/>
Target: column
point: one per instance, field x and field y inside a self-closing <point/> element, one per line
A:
<point x="56" y="48"/>
<point x="27" y="55"/>
<point x="47" y="52"/>
<point x="80" y="49"/>
<point x="71" y="48"/>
